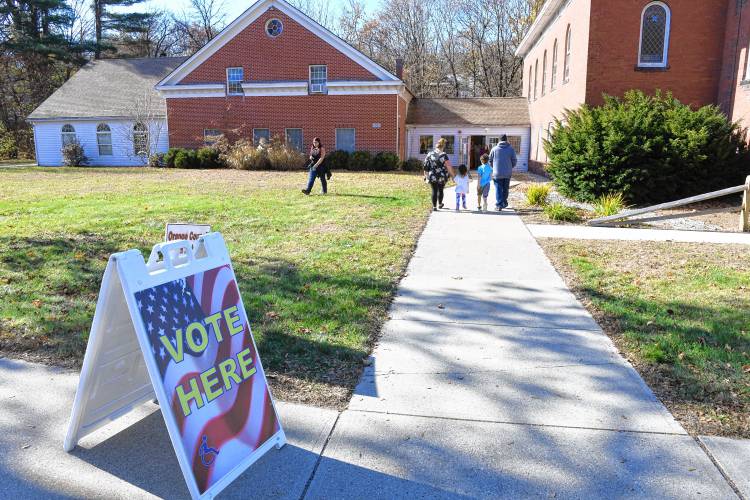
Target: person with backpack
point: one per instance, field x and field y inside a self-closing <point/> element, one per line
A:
<point x="437" y="172"/>
<point x="503" y="160"/>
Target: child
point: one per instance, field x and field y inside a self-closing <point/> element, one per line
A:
<point x="484" y="172"/>
<point x="462" y="185"/>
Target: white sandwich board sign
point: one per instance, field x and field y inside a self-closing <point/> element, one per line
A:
<point x="175" y="327"/>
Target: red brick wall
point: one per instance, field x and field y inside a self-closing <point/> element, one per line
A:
<point x="317" y="115"/>
<point x="402" y="110"/>
<point x="695" y="50"/>
<point x="286" y="57"/>
<point x="734" y="96"/>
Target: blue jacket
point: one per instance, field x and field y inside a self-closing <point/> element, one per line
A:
<point x="503" y="160"/>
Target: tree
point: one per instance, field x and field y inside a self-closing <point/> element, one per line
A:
<point x="36" y="56"/>
<point x="124" y="23"/>
<point x="200" y="23"/>
<point x="161" y="36"/>
<point x="144" y="127"/>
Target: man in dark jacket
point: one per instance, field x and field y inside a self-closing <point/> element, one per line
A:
<point x="503" y="160"/>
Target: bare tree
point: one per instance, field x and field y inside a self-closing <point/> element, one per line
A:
<point x="203" y="20"/>
<point x="144" y="126"/>
<point x="318" y="10"/>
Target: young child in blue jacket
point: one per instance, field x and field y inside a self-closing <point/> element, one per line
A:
<point x="484" y="172"/>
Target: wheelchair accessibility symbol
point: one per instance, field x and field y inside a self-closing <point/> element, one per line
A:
<point x="207" y="454"/>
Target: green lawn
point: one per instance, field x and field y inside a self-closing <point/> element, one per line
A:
<point x="682" y="314"/>
<point x="316" y="273"/>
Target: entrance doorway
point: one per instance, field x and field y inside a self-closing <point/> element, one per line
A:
<point x="477" y="147"/>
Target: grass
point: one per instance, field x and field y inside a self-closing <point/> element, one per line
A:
<point x="537" y="194"/>
<point x="680" y="312"/>
<point x="609" y="204"/>
<point x="316" y="273"/>
<point x="560" y="212"/>
<point x="10" y="163"/>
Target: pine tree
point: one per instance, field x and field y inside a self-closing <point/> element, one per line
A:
<point x="130" y="23"/>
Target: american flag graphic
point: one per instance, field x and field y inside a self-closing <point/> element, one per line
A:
<point x="234" y="425"/>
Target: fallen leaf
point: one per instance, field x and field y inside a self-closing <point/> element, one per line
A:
<point x="441" y="306"/>
<point x="36" y="303"/>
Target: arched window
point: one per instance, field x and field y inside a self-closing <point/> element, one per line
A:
<point x="104" y="139"/>
<point x="553" y="76"/>
<point x="530" y="77"/>
<point x="566" y="64"/>
<point x="654" y="45"/>
<point x="140" y="139"/>
<point x="544" y="74"/>
<point x="68" y="134"/>
<point x="536" y="78"/>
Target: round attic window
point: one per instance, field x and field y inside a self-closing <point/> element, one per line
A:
<point x="274" y="27"/>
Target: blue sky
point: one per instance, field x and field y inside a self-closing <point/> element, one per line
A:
<point x="234" y="8"/>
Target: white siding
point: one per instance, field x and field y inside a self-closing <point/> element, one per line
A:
<point x="413" y="133"/>
<point x="49" y="142"/>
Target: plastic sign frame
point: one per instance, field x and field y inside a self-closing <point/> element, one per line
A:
<point x="121" y="371"/>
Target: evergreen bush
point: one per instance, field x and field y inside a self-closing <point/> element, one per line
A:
<point x="169" y="157"/>
<point x="337" y="160"/>
<point x="385" y="161"/>
<point x="186" y="158"/>
<point x="412" y="165"/>
<point x="209" y="157"/>
<point x="360" y="160"/>
<point x="649" y="148"/>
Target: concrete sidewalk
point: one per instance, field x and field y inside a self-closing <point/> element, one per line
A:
<point x="492" y="381"/>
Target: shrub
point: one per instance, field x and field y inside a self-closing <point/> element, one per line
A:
<point x="609" y="204"/>
<point x="170" y="156"/>
<point x="537" y="194"/>
<point x="8" y="149"/>
<point x="360" y="160"/>
<point x="412" y="165"/>
<point x="385" y="161"/>
<point x="649" y="148"/>
<point x="337" y="160"/>
<point x="558" y="211"/>
<point x="283" y="157"/>
<point x="209" y="157"/>
<point x="156" y="160"/>
<point x="186" y="158"/>
<point x="73" y="154"/>
<point x="244" y="155"/>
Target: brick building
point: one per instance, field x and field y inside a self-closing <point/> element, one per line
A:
<point x="272" y="72"/>
<point x="578" y="50"/>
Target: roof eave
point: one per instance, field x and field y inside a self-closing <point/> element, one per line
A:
<point x="32" y="119"/>
<point x="549" y="10"/>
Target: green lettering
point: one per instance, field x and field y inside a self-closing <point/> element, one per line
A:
<point x="244" y="363"/>
<point x="177" y="354"/>
<point x="228" y="370"/>
<point x="194" y="394"/>
<point x="230" y="317"/>
<point x="214" y="321"/>
<point x="197" y="348"/>
<point x="210" y="383"/>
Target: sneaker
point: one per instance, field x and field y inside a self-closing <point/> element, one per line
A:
<point x="434" y="209"/>
<point x="306" y="192"/>
<point x="441" y="206"/>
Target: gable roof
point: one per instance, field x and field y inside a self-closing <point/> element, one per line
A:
<point x="254" y="12"/>
<point x="107" y="88"/>
<point x="469" y="111"/>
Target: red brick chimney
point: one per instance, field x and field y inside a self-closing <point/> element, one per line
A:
<point x="400" y="68"/>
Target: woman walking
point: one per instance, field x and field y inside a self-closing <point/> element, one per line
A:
<point x="437" y="171"/>
<point x="316" y="164"/>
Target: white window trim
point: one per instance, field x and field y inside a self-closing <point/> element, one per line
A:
<point x="206" y="136"/>
<point x="346" y="128"/>
<point x="241" y="82"/>
<point x="309" y="77"/>
<point x="567" y="53"/>
<point x="302" y="136"/>
<point x="544" y="74"/>
<point x="419" y="141"/>
<point x="536" y="79"/>
<point x="553" y="68"/>
<point x="63" y="134"/>
<point x="747" y="66"/>
<point x="99" y="134"/>
<point x="665" y="54"/>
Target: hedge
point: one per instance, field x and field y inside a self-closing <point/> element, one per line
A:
<point x="651" y="149"/>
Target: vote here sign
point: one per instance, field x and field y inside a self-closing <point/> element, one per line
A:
<point x="217" y="392"/>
